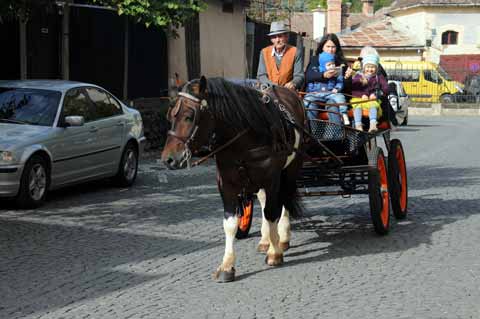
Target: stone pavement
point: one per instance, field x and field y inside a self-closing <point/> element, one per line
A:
<point x="94" y="251"/>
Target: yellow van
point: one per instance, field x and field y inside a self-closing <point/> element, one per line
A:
<point x="423" y="81"/>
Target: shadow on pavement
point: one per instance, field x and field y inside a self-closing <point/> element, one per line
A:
<point x="44" y="267"/>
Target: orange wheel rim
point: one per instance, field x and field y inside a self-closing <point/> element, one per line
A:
<point x="247" y="215"/>
<point x="383" y="190"/>
<point x="402" y="175"/>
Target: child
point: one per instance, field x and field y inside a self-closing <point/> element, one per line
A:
<point x="326" y="92"/>
<point x="368" y="85"/>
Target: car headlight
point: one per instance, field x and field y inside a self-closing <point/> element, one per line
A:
<point x="459" y="88"/>
<point x="6" y="156"/>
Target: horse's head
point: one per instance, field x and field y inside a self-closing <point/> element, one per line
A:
<point x="192" y="125"/>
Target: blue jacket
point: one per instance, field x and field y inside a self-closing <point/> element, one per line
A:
<point x="313" y="74"/>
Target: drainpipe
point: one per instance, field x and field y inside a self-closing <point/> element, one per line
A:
<point x="65" y="11"/>
<point x="23" y="47"/>
<point x="125" y="59"/>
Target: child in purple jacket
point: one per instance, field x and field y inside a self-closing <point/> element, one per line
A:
<point x="367" y="85"/>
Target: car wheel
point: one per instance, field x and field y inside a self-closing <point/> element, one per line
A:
<point x="127" y="171"/>
<point x="34" y="183"/>
<point x="446" y="98"/>
<point x="405" y="120"/>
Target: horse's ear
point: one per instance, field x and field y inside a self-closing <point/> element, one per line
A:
<point x="203" y="85"/>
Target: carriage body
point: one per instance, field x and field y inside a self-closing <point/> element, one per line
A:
<point x="344" y="161"/>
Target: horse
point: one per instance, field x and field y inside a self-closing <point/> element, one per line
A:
<point x="257" y="140"/>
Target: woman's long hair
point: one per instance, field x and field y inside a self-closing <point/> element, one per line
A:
<point x="339" y="57"/>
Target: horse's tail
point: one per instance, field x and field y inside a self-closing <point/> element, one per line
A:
<point x="290" y="196"/>
<point x="294" y="205"/>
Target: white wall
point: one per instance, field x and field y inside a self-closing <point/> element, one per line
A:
<point x="421" y="21"/>
<point x="319" y="23"/>
<point x="413" y="23"/>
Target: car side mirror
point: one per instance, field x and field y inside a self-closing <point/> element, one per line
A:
<point x="74" y="120"/>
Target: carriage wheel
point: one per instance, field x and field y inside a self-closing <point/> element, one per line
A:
<point x="378" y="194"/>
<point x="245" y="221"/>
<point x="397" y="179"/>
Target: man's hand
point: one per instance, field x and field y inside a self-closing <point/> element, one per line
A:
<point x="334" y="91"/>
<point x="364" y="97"/>
<point x="372" y="96"/>
<point x="290" y="85"/>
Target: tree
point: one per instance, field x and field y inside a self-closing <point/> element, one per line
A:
<point x="161" y="13"/>
<point x="166" y="14"/>
<point x="21" y="8"/>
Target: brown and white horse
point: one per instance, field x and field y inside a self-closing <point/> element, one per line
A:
<point x="256" y="138"/>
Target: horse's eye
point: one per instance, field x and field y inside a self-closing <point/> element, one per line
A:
<point x="189" y="118"/>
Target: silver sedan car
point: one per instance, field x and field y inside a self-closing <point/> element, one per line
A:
<point x="58" y="133"/>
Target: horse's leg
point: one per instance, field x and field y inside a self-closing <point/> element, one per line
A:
<point x="288" y="195"/>
<point x="284" y="230"/>
<point x="264" y="241"/>
<point x="226" y="271"/>
<point x="272" y="211"/>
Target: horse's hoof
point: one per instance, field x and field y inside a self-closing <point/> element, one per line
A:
<point x="263" y="248"/>
<point x="274" y="260"/>
<point x="284" y="246"/>
<point x="224" y="276"/>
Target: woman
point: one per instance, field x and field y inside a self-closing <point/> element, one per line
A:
<point x="329" y="44"/>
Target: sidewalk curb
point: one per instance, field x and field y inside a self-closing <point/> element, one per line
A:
<point x="437" y="109"/>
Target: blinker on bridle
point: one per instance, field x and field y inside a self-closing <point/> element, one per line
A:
<point x="195" y="104"/>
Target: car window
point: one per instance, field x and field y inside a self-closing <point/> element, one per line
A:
<point x="104" y="105"/>
<point x="403" y="75"/>
<point x="432" y="76"/>
<point x="77" y="104"/>
<point x="28" y="106"/>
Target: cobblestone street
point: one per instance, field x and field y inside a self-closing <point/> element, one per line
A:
<point x="95" y="251"/>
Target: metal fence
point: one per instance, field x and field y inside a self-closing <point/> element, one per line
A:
<point x="430" y="83"/>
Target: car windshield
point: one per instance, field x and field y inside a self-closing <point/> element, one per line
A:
<point x="444" y="74"/>
<point x="28" y="106"/>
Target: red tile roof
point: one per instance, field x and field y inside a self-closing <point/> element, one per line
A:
<point x="378" y="34"/>
<point x="405" y="4"/>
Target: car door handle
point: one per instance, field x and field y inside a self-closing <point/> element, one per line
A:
<point x="120" y="124"/>
<point x="93" y="129"/>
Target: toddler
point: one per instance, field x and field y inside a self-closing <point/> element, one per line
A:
<point x="368" y="85"/>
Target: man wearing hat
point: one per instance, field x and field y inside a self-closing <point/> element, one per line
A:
<point x="280" y="63"/>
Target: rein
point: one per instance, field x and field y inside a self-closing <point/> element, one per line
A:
<point x="219" y="149"/>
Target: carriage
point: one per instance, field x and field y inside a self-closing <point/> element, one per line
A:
<point x="258" y="138"/>
<point x="351" y="162"/>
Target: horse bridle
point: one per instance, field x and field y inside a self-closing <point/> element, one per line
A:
<point x="202" y="105"/>
<point x="194" y="104"/>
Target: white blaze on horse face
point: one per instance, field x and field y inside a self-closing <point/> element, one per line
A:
<point x="291" y="157"/>
<point x="284" y="226"/>
<point x="230" y="227"/>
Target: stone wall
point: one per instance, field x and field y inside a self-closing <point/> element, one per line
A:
<point x="153" y="111"/>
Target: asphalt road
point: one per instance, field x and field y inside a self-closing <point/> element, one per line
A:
<point x="94" y="251"/>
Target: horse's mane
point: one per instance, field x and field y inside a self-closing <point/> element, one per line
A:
<point x="242" y="107"/>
